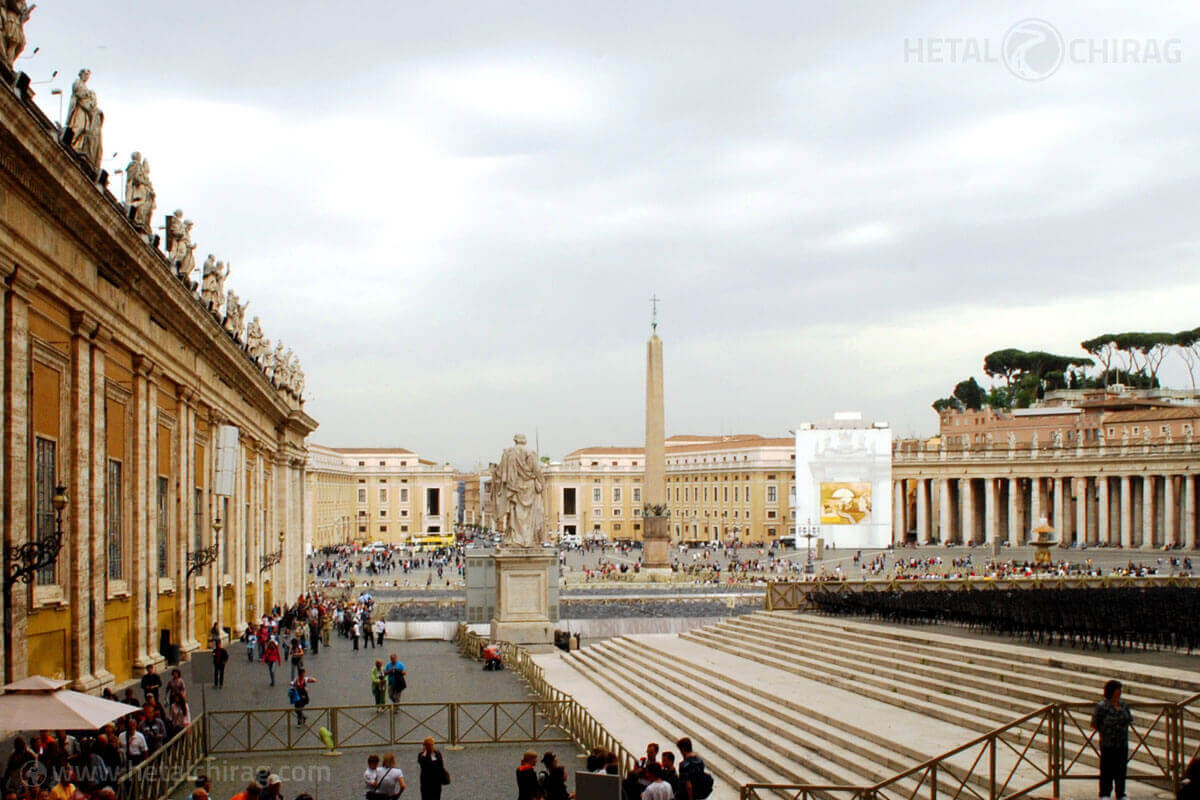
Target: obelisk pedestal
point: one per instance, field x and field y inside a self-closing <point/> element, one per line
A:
<point x="523" y="577"/>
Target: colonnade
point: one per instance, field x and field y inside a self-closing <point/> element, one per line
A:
<point x="1140" y="510"/>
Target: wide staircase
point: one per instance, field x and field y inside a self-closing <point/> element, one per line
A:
<point x="785" y="698"/>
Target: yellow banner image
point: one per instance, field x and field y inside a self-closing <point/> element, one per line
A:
<point x="845" y="503"/>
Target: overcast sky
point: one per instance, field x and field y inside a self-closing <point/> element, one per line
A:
<point x="455" y="213"/>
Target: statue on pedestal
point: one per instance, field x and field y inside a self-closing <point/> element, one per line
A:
<point x="139" y="193"/>
<point x="519" y="499"/>
<point x="16" y="14"/>
<point x="85" y="121"/>
<point x="235" y="314"/>
<point x="180" y="250"/>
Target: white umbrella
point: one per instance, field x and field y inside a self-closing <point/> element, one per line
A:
<point x="40" y="703"/>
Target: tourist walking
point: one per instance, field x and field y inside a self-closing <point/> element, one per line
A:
<point x="1111" y="720"/>
<point x="380" y="630"/>
<point x="298" y="694"/>
<point x="220" y="657"/>
<point x="151" y="682"/>
<point x="355" y="632"/>
<point x="297" y="658"/>
<point x="379" y="685"/>
<point x="397" y="678"/>
<point x="434" y="774"/>
<point x="272" y="658"/>
<point x="371" y="776"/>
<point x="694" y="782"/>
<point x="391" y="779"/>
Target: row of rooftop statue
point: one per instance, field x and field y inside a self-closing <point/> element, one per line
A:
<point x="82" y="134"/>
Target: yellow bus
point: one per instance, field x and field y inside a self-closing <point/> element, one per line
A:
<point x="432" y="541"/>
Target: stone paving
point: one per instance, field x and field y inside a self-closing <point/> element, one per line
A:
<point x="436" y="673"/>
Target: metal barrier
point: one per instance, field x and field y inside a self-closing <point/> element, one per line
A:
<point x="794" y="595"/>
<point x="267" y="730"/>
<point x="160" y="774"/>
<point x="566" y="712"/>
<point x="1044" y="748"/>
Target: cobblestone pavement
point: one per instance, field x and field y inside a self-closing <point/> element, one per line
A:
<point x="436" y="673"/>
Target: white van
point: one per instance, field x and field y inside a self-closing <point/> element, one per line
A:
<point x="570" y="540"/>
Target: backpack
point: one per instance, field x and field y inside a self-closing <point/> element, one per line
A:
<point x="692" y="770"/>
<point x="293" y="695"/>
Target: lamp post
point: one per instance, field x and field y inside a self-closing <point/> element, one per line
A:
<point x="808" y="530"/>
<point x="271" y="559"/>
<point x="23" y="562"/>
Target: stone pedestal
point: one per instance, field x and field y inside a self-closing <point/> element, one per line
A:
<point x="523" y="583"/>
<point x="656" y="543"/>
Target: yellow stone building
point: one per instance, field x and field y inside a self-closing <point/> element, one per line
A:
<point x="385" y="494"/>
<point x="718" y="487"/>
<point x="116" y="380"/>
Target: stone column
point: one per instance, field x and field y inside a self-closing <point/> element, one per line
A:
<point x="98" y="591"/>
<point x="1126" y="511"/>
<point x="75" y="562"/>
<point x="1035" y="502"/>
<point x="1081" y="511"/>
<point x="923" y="532"/>
<point x="1170" y="535"/>
<point x="1103" y="533"/>
<point x="966" y="510"/>
<point x="150" y="491"/>
<point x="1014" y="512"/>
<point x="141" y="575"/>
<point x="946" y="531"/>
<point x="1148" y="538"/>
<point x="19" y="286"/>
<point x="1188" y="534"/>
<point x="898" y="512"/>
<point x="990" y="521"/>
<point x="283" y="591"/>
<point x="237" y="561"/>
<point x="185" y="439"/>
<point x="1060" y="517"/>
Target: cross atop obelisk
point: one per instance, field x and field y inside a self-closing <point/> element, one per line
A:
<point x="654" y="301"/>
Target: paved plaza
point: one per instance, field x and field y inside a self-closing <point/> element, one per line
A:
<point x="436" y="673"/>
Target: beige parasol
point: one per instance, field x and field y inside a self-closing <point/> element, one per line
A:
<point x="40" y="703"/>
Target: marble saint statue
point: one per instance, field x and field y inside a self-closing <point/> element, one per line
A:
<point x="16" y="14"/>
<point x="256" y="343"/>
<point x="212" y="286"/>
<point x="180" y="249"/>
<point x="85" y="121"/>
<point x="277" y="363"/>
<point x="519" y="502"/>
<point x="139" y="193"/>
<point x="235" y="314"/>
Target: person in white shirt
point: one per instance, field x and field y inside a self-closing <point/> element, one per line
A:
<point x="391" y="779"/>
<point x="371" y="776"/>
<point x="133" y="744"/>
<point x="380" y="630"/>
<point x="658" y="788"/>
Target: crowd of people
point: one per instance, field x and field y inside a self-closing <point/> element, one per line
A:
<point x="390" y="566"/>
<point x="383" y="779"/>
<point x="655" y="776"/>
<point x="60" y="765"/>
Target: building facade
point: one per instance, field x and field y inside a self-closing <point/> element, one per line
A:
<point x="378" y="494"/>
<point x="727" y="488"/>
<point x="116" y="379"/>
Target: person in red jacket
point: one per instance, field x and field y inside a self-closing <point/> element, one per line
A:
<point x="271" y="657"/>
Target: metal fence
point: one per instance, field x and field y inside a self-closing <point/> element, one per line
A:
<point x="578" y="723"/>
<point x="1050" y="746"/>
<point x="253" y="730"/>
<point x="160" y="774"/>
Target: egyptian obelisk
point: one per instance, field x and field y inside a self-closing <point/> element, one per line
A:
<point x="656" y="539"/>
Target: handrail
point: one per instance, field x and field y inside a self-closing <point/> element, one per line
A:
<point x="1162" y="766"/>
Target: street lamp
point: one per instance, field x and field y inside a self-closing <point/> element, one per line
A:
<point x="808" y="530"/>
<point x="23" y="562"/>
<point x="271" y="559"/>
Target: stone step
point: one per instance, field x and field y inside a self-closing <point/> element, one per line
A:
<point x="733" y="768"/>
<point x="859" y="748"/>
<point x="1041" y="680"/>
<point x="938" y="700"/>
<point x="1184" y="681"/>
<point x="717" y="732"/>
<point x="851" y="652"/>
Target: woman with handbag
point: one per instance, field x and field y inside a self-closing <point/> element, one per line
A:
<point x="434" y="774"/>
<point x="391" y="779"/>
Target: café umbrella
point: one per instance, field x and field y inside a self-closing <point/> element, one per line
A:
<point x="40" y="703"/>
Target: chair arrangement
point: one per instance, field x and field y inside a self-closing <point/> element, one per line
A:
<point x="1121" y="617"/>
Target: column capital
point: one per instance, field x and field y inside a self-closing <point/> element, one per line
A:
<point x="143" y="366"/>
<point x="185" y="394"/>
<point x="84" y="324"/>
<point x="20" y="282"/>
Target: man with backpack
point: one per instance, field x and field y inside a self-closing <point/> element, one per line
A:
<point x="396" y="679"/>
<point x="694" y="782"/>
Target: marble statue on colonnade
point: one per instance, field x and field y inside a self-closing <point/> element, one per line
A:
<point x="235" y="314"/>
<point x="212" y="286"/>
<point x="180" y="249"/>
<point x="85" y="121"/>
<point x="16" y="14"/>
<point x="256" y="343"/>
<point x="139" y="193"/>
<point x="519" y="496"/>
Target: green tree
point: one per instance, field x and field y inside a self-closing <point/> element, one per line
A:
<point x="970" y="394"/>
